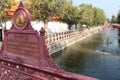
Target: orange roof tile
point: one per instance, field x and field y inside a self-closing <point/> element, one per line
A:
<point x="10" y="12"/>
<point x="55" y="17"/>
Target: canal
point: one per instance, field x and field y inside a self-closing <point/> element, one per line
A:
<point x="97" y="56"/>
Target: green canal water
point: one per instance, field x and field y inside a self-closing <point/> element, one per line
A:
<point x="97" y="56"/>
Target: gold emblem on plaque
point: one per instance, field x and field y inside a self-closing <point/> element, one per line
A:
<point x="20" y="19"/>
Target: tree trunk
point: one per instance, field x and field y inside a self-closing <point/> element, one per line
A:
<point x="46" y="26"/>
<point x="69" y="27"/>
<point x="76" y="26"/>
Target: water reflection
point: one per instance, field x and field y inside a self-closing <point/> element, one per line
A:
<point x="97" y="56"/>
<point x="110" y="39"/>
<point x="119" y="36"/>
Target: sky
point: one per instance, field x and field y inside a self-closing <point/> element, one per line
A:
<point x="110" y="7"/>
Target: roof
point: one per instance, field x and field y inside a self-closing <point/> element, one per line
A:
<point x="11" y="11"/>
<point x="55" y="18"/>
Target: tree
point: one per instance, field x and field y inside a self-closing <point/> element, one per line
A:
<point x="113" y="19"/>
<point x="87" y="14"/>
<point x="90" y="15"/>
<point x="4" y="6"/>
<point x="118" y="17"/>
<point x="45" y="9"/>
<point x="96" y="16"/>
<point x="69" y="14"/>
<point x="99" y="16"/>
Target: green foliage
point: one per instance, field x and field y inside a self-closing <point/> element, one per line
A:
<point x="45" y="9"/>
<point x="99" y="16"/>
<point x="86" y="13"/>
<point x="114" y="19"/>
<point x="4" y="5"/>
<point x="70" y="14"/>
<point x="90" y="15"/>
<point x="118" y="17"/>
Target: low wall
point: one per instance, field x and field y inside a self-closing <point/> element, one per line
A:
<point x="59" y="41"/>
<point x="37" y="26"/>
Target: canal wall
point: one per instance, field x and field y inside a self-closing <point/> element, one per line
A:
<point x="58" y="41"/>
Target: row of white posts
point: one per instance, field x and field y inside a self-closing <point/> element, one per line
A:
<point x="57" y="41"/>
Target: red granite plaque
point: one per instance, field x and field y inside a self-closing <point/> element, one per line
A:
<point x="22" y="44"/>
<point x="21" y="41"/>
